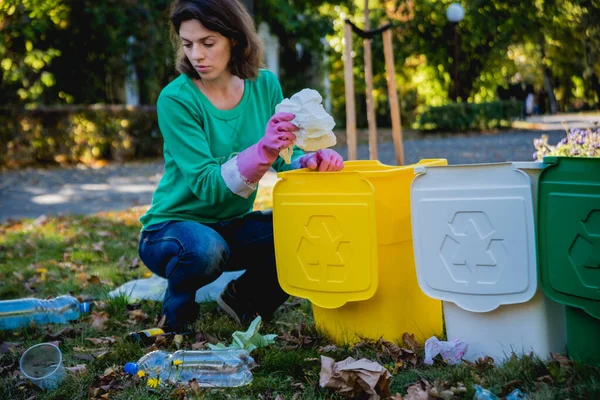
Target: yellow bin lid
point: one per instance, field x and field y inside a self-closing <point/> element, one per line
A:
<point x="325" y="234"/>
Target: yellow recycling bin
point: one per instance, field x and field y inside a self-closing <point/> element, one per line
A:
<point x="343" y="240"/>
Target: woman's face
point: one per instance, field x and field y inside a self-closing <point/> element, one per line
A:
<point x="209" y="52"/>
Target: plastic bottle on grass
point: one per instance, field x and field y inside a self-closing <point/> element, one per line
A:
<point x="24" y="312"/>
<point x="210" y="368"/>
<point x="484" y="394"/>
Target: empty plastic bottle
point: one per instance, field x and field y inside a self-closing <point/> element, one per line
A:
<point x="23" y="312"/>
<point x="210" y="368"/>
<point x="484" y="394"/>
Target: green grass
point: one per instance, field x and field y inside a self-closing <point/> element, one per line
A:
<point x="89" y="256"/>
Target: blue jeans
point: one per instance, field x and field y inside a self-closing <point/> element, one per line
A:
<point x="191" y="255"/>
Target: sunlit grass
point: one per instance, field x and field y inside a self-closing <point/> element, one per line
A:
<point x="89" y="256"/>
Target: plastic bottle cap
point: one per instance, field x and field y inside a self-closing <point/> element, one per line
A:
<point x="131" y="368"/>
<point x="85" y="307"/>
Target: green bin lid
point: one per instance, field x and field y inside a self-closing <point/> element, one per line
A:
<point x="569" y="231"/>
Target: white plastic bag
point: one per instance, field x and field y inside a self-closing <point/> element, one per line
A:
<point x="154" y="288"/>
<point x="452" y="352"/>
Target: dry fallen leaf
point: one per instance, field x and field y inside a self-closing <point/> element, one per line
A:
<point x="137" y="315"/>
<point x="79" y="369"/>
<point x="5" y="347"/>
<point x="419" y="390"/>
<point x="178" y="340"/>
<point x="94" y="280"/>
<point x="135" y="263"/>
<point x="327" y="349"/>
<point x="99" y="319"/>
<point x="67" y="332"/>
<point x="402" y="357"/>
<point x="410" y="341"/>
<point x="99" y="246"/>
<point x="160" y="340"/>
<point x="198" y="345"/>
<point x="103" y="340"/>
<point x="562" y="360"/>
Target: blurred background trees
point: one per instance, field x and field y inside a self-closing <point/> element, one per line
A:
<point x="82" y="52"/>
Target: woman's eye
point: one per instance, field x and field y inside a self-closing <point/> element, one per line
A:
<point x="209" y="44"/>
<point x="187" y="45"/>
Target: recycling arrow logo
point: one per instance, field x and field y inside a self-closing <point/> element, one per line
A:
<point x="584" y="252"/>
<point x="470" y="252"/>
<point x="322" y="251"/>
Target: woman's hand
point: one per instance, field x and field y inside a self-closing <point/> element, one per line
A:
<point x="278" y="135"/>
<point x="323" y="160"/>
<point x="254" y="162"/>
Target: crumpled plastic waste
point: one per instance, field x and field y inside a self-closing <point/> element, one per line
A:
<point x="248" y="340"/>
<point x="154" y="288"/>
<point x="351" y="378"/>
<point x="484" y="394"/>
<point x="452" y="352"/>
<point x="315" y="124"/>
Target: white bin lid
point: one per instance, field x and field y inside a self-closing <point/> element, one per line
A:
<point x="474" y="234"/>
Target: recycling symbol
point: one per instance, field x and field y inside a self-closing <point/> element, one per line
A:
<point x="322" y="252"/>
<point x="469" y="252"/>
<point x="584" y="252"/>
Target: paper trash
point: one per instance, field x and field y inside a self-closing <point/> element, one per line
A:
<point x="351" y="378"/>
<point x="315" y="124"/>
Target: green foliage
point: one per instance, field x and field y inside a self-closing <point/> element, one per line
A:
<point x="77" y="134"/>
<point x="25" y="52"/>
<point x="300" y="27"/>
<point x="459" y="117"/>
<point x="577" y="143"/>
<point x="71" y="51"/>
<point x="80" y="52"/>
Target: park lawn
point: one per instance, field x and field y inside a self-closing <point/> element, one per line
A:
<point x="88" y="256"/>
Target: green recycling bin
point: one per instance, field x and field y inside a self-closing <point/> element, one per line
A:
<point x="569" y="248"/>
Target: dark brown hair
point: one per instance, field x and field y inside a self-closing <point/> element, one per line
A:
<point x="227" y="17"/>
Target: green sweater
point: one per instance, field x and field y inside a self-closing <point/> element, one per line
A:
<point x="198" y="139"/>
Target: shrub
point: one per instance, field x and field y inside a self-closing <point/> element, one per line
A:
<point x="577" y="143"/>
<point x="77" y="134"/>
<point x="460" y="117"/>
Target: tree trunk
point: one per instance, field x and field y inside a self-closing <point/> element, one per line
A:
<point x="548" y="82"/>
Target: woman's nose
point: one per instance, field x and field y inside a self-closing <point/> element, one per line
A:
<point x="197" y="53"/>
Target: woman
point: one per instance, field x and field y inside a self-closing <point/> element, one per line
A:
<point x="220" y="137"/>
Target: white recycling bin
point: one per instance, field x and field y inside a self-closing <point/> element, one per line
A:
<point x="474" y="243"/>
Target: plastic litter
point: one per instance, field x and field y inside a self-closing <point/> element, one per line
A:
<point x="248" y="340"/>
<point x="154" y="288"/>
<point x="24" y="312"/>
<point x="42" y="364"/>
<point x="452" y="352"/>
<point x="484" y="394"/>
<point x="315" y="124"/>
<point x="210" y="368"/>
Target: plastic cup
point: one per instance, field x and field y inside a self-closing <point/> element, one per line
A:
<point x="42" y="364"/>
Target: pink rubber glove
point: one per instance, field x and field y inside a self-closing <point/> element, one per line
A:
<point x="256" y="160"/>
<point x="323" y="160"/>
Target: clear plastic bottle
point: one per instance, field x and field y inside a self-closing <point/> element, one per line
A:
<point x="23" y="312"/>
<point x="210" y="368"/>
<point x="484" y="394"/>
